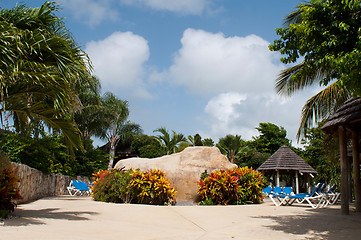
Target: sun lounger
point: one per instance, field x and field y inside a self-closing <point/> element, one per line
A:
<point x="280" y="195"/>
<point x="267" y="190"/>
<point x="77" y="187"/>
<point x="330" y="197"/>
<point x="314" y="199"/>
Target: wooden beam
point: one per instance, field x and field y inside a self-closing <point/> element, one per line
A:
<point x="278" y="179"/>
<point x="344" y="178"/>
<point x="356" y="170"/>
<point x="297" y="184"/>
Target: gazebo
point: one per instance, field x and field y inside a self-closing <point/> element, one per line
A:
<point x="345" y="124"/>
<point x="286" y="162"/>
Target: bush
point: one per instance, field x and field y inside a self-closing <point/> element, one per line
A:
<point x="112" y="186"/>
<point x="235" y="186"/>
<point x="9" y="190"/>
<point x="133" y="186"/>
<point x="152" y="187"/>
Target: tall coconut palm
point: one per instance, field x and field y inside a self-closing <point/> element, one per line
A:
<point x="114" y="125"/>
<point x="169" y="141"/>
<point x="40" y="63"/>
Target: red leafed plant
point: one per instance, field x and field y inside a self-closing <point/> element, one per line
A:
<point x="234" y="186"/>
<point x="9" y="190"/>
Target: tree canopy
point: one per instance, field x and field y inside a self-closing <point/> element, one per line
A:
<point x="271" y="138"/>
<point x="323" y="41"/>
<point x="40" y="65"/>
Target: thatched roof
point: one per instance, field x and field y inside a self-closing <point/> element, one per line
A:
<point x="347" y="115"/>
<point x="284" y="159"/>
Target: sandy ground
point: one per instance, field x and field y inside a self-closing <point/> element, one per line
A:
<point x="67" y="217"/>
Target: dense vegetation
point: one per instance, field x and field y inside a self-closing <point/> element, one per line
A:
<point x="231" y="187"/>
<point x="133" y="186"/>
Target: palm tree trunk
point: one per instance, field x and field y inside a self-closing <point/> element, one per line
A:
<point x="112" y="154"/>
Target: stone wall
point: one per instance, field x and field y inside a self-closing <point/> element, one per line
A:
<point x="35" y="185"/>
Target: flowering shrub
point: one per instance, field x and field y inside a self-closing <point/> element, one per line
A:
<point x="152" y="187"/>
<point x="112" y="186"/>
<point x="9" y="190"/>
<point x="121" y="186"/>
<point x="235" y="186"/>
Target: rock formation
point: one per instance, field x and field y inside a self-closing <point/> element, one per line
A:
<point x="183" y="169"/>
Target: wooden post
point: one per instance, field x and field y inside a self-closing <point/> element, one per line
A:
<point x="344" y="178"/>
<point x="308" y="183"/>
<point x="356" y="170"/>
<point x="278" y="179"/>
<point x="297" y="186"/>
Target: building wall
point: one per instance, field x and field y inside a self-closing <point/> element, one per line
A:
<point x="35" y="185"/>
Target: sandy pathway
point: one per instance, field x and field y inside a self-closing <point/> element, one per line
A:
<point x="75" y="218"/>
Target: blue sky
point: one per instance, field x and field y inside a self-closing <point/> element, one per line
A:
<point x="192" y="66"/>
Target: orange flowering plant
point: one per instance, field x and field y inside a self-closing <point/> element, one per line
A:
<point x="152" y="187"/>
<point x="234" y="186"/>
<point x="133" y="186"/>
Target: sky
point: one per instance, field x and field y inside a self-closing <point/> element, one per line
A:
<point x="192" y="66"/>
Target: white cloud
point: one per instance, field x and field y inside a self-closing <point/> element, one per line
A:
<point x="119" y="62"/>
<point x="91" y="12"/>
<point x="235" y="113"/>
<point x="193" y="7"/>
<point x="212" y="63"/>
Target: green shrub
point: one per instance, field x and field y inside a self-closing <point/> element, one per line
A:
<point x="9" y="190"/>
<point x="133" y="186"/>
<point x="152" y="187"/>
<point x="235" y="186"/>
<point x="112" y="186"/>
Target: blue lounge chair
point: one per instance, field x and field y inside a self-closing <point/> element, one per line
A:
<point x="267" y="191"/>
<point x="77" y="187"/>
<point x="314" y="199"/>
<point x="280" y="194"/>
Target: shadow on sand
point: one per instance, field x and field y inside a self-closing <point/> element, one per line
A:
<point x="320" y="223"/>
<point x="23" y="217"/>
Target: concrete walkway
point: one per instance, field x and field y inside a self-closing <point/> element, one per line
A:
<point x="76" y="218"/>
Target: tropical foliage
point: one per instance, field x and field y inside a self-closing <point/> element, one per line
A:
<point x="115" y="126"/>
<point x="147" y="146"/>
<point x="8" y="186"/>
<point x="322" y="153"/>
<point x="169" y="141"/>
<point x="230" y="146"/>
<point x="152" y="187"/>
<point x="112" y="186"/>
<point x="322" y="39"/>
<point x="39" y="68"/>
<point x="49" y="154"/>
<point x="133" y="186"/>
<point x="235" y="186"/>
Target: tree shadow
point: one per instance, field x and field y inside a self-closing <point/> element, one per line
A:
<point x="24" y="217"/>
<point x="319" y="223"/>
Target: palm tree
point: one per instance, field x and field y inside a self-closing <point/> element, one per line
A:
<point x="114" y="125"/>
<point x="231" y="146"/>
<point x="39" y="67"/>
<point x="88" y="118"/>
<point x="169" y="142"/>
<point x="321" y="105"/>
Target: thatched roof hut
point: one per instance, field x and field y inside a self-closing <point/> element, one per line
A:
<point x="348" y="115"/>
<point x="345" y="124"/>
<point x="286" y="161"/>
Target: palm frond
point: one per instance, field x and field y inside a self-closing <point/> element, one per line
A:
<point x="322" y="105"/>
<point x="298" y="77"/>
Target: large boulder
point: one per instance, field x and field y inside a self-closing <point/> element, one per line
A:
<point x="183" y="169"/>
